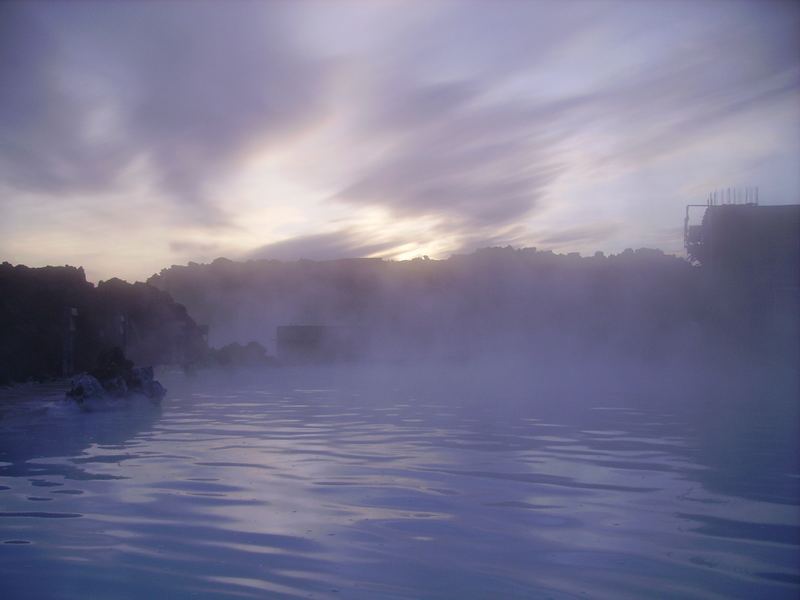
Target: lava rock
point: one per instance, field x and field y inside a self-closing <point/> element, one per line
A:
<point x="141" y="381"/>
<point x="116" y="377"/>
<point x="115" y="386"/>
<point x="85" y="386"/>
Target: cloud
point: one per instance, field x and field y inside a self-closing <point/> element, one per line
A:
<point x="42" y="125"/>
<point x="473" y="164"/>
<point x="483" y="148"/>
<point x="193" y="247"/>
<point x="184" y="90"/>
<point x="594" y="233"/>
<point x="324" y="246"/>
<point x="481" y="117"/>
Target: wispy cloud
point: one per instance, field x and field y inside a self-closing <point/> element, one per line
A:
<point x="488" y="118"/>
<point x="184" y="90"/>
<point x="323" y="246"/>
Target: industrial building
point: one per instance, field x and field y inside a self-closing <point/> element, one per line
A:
<point x="748" y="241"/>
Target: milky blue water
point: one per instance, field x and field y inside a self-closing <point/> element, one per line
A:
<point x="322" y="483"/>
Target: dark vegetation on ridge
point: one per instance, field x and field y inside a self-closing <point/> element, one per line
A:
<point x="54" y="323"/>
<point x="45" y="310"/>
<point x="499" y="303"/>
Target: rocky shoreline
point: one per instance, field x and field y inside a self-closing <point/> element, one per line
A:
<point x="115" y="377"/>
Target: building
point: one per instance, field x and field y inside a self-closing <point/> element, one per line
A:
<point x="303" y="344"/>
<point x="760" y="243"/>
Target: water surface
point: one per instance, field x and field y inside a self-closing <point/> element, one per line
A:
<point x="322" y="483"/>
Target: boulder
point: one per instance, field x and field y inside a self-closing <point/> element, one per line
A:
<point x="116" y="377"/>
<point x="115" y="386"/>
<point x="141" y="381"/>
<point x="85" y="386"/>
<point x="155" y="391"/>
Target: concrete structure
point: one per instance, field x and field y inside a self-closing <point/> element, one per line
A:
<point x="760" y="243"/>
<point x="750" y="256"/>
<point x="298" y="344"/>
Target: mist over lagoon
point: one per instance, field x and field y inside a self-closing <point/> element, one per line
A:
<point x="454" y="300"/>
<point x="467" y="436"/>
<point x="402" y="482"/>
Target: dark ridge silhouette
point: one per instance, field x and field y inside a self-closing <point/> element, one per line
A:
<point x="740" y="301"/>
<point x="496" y="302"/>
<point x="54" y="323"/>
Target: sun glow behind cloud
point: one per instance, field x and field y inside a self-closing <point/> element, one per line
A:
<point x="139" y="135"/>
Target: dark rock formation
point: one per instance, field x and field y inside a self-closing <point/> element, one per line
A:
<point x="115" y="376"/>
<point x="54" y="323"/>
<point x="142" y="382"/>
<point x="84" y="387"/>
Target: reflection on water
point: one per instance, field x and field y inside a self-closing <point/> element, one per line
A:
<point x="317" y="484"/>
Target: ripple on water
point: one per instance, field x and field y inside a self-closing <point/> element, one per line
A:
<point x="299" y="488"/>
<point x="40" y="515"/>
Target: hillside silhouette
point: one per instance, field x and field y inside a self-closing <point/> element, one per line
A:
<point x="42" y="310"/>
<point x="494" y="302"/>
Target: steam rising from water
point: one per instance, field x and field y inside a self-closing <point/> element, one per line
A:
<point x="407" y="483"/>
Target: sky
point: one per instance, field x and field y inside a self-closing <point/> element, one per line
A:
<point x="137" y="135"/>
